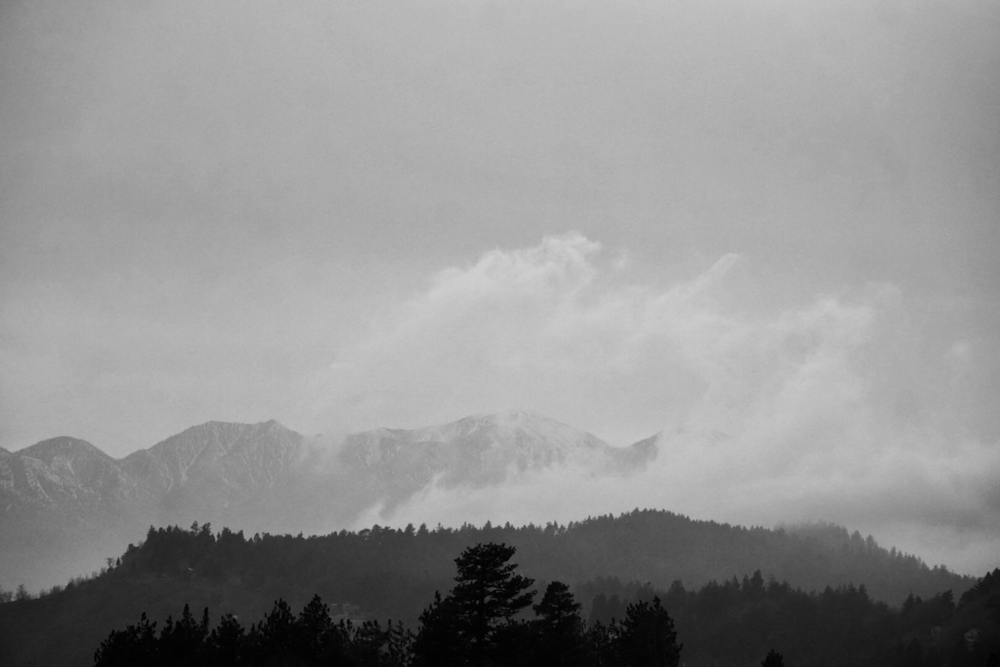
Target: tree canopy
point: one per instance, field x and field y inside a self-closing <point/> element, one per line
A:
<point x="773" y="659"/>
<point x="488" y="593"/>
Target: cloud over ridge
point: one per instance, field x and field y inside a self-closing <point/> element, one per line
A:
<point x="764" y="418"/>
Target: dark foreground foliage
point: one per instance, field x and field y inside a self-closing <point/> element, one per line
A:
<point x="736" y="622"/>
<point x="824" y="616"/>
<point x="484" y="620"/>
<point x="281" y="638"/>
<point x="475" y="624"/>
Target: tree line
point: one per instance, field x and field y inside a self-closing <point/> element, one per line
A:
<point x="394" y="573"/>
<point x="486" y="619"/>
<point x="481" y="621"/>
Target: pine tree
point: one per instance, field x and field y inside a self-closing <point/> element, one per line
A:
<point x="226" y="645"/>
<point x="487" y="595"/>
<point x="135" y="645"/>
<point x="181" y="642"/>
<point x="559" y="627"/>
<point x="316" y="638"/>
<point x="646" y="637"/>
<point x="435" y="643"/>
<point x="773" y="659"/>
<point x="274" y="637"/>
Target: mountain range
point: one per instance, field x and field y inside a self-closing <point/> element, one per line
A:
<point x="65" y="505"/>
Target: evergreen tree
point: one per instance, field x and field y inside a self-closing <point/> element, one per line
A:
<point x="316" y="638"/>
<point x="226" y="645"/>
<point x="435" y="643"/>
<point x="181" y="642"/>
<point x="274" y="637"/>
<point x="773" y="659"/>
<point x="646" y="637"/>
<point x="598" y="610"/>
<point x="487" y="595"/>
<point x="559" y="627"/>
<point x="600" y="645"/>
<point x="135" y="645"/>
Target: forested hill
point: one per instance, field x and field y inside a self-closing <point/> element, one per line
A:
<point x="372" y="567"/>
<point x="385" y="573"/>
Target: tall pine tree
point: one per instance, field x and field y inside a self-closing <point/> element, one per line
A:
<point x="487" y="595"/>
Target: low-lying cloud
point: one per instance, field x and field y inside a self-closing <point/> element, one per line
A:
<point x="830" y="410"/>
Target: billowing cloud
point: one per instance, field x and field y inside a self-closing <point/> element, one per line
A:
<point x="550" y="327"/>
<point x="785" y="417"/>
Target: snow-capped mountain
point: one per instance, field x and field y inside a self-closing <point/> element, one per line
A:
<point x="484" y="449"/>
<point x="215" y="463"/>
<point x="64" y="496"/>
<point x="388" y="466"/>
<point x="62" y="473"/>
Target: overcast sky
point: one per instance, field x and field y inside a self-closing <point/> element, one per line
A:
<point x="773" y="226"/>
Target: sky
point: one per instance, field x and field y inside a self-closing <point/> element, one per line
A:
<point x="768" y="230"/>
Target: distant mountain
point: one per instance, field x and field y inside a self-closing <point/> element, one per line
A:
<point x="478" y="451"/>
<point x="59" y="500"/>
<point x="484" y="449"/>
<point x="216" y="467"/>
<point x="63" y="501"/>
<point x="63" y="474"/>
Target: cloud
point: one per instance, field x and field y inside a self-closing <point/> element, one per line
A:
<point x="551" y="327"/>
<point x="765" y="418"/>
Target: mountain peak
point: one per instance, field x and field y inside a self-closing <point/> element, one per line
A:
<point x="270" y="423"/>
<point x="63" y="447"/>
<point x="231" y="431"/>
<point x="513" y="418"/>
<point x="223" y="438"/>
<point x="511" y="429"/>
<point x="517" y="416"/>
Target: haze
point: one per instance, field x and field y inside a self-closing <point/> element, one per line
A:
<point x="769" y="231"/>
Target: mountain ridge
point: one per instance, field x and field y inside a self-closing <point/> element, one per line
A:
<point x="263" y="476"/>
<point x="425" y="431"/>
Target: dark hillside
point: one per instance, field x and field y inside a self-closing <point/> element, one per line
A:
<point x="647" y="546"/>
<point x="392" y="574"/>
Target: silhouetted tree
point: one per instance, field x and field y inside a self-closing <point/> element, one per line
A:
<point x="487" y="595"/>
<point x="135" y="645"/>
<point x="600" y="644"/>
<point x="646" y="637"/>
<point x="371" y="646"/>
<point x="559" y="627"/>
<point x="773" y="659"/>
<point x="598" y="610"/>
<point x="226" y="645"/>
<point x="435" y="643"/>
<point x="180" y="643"/>
<point x="316" y="639"/>
<point x="274" y="637"/>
